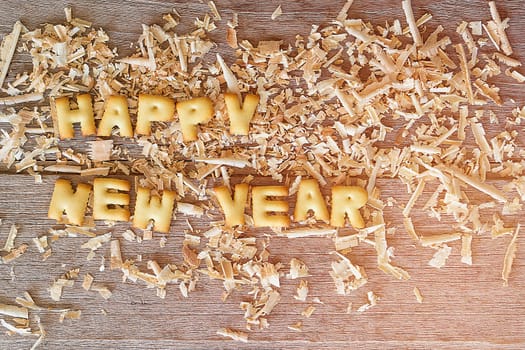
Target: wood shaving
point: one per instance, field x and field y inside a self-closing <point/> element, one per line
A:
<point x="276" y="13"/>
<point x="466" y="249"/>
<point x="372" y="301"/>
<point x="505" y="44"/>
<point x="96" y="242"/>
<point x="7" y="49"/>
<point x="19" y="99"/>
<point x="302" y="291"/>
<point x="427" y="241"/>
<point x="298" y="269"/>
<point x="100" y="150"/>
<point x="510" y="255"/>
<point x="233" y="334"/>
<point x="14" y="254"/>
<point x="102" y="290"/>
<point x="66" y="280"/>
<point x="407" y="8"/>
<point x="14" y="311"/>
<point x="440" y="257"/>
<point x="87" y="282"/>
<point x="10" y="241"/>
<point x="70" y="314"/>
<point x="347" y="276"/>
<point x="418" y="295"/>
<point x="297" y="327"/>
<point x="344" y="11"/>
<point x="300" y="232"/>
<point x="308" y="311"/>
<point x="14" y="329"/>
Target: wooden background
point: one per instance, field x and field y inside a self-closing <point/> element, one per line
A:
<point x="464" y="307"/>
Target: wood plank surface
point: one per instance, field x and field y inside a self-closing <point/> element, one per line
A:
<point x="464" y="307"/>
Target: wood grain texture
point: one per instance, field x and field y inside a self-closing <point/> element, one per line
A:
<point x="464" y="307"/>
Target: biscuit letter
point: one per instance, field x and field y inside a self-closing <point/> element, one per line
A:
<point x="267" y="212"/>
<point x="153" y="108"/>
<point x="346" y="200"/>
<point x="116" y="114"/>
<point x="309" y="197"/>
<point x="233" y="208"/>
<point x="105" y="194"/>
<point x="153" y="208"/>
<point x="73" y="203"/>
<point x="65" y="116"/>
<point x="192" y="113"/>
<point x="240" y="117"/>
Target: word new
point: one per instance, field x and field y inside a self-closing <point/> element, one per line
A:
<point x="111" y="202"/>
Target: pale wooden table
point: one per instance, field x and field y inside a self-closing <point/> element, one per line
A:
<point x="464" y="307"/>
